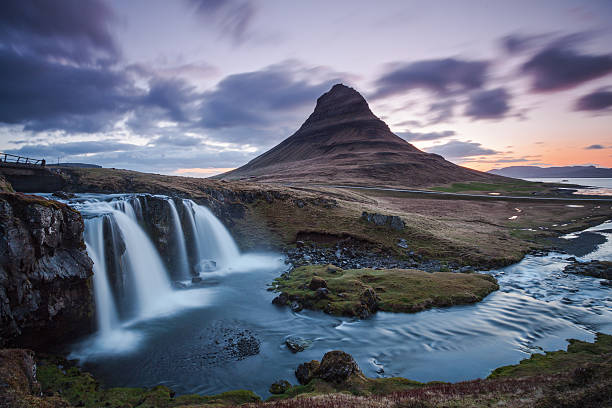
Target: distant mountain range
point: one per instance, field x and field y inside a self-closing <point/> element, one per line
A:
<point x="552" y="172"/>
<point x="343" y="142"/>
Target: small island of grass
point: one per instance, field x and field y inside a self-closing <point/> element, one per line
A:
<point x="361" y="292"/>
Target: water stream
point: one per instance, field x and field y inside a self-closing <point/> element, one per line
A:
<point x="227" y="335"/>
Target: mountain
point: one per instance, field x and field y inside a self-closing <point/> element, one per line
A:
<point x="344" y="143"/>
<point x="567" y="171"/>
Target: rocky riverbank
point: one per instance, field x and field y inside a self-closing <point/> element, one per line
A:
<point x="578" y="377"/>
<point x="596" y="269"/>
<point x="46" y="292"/>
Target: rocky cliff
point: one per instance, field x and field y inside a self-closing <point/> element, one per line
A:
<point x="45" y="274"/>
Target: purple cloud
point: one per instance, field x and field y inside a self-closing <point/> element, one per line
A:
<point x="443" y="76"/>
<point x="598" y="100"/>
<point x="456" y="149"/>
<point x="421" y="137"/>
<point x="490" y="104"/>
<point x="559" y="67"/>
<point x="68" y="29"/>
<point x="255" y="98"/>
<point x="233" y="17"/>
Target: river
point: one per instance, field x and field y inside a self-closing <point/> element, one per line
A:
<point x="226" y="334"/>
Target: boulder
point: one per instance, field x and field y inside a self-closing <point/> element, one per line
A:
<point x="307" y="371"/>
<point x="369" y="299"/>
<point x="333" y="268"/>
<point x="296" y="306"/>
<point x="280" y="300"/>
<point x="279" y="387"/>
<point x="391" y="221"/>
<point x="336" y="367"/>
<point x="296" y="344"/>
<point x="322" y="293"/>
<point x="317" y="282"/>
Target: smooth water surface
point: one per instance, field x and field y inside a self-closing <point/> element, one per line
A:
<point x="598" y="186"/>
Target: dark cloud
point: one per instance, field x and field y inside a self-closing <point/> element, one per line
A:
<point x="442" y="76"/>
<point x="257" y="98"/>
<point x="598" y="100"/>
<point x="233" y="17"/>
<point x="69" y="29"/>
<point x="490" y="104"/>
<point x="71" y="148"/>
<point x="46" y="95"/>
<point x="421" y="137"/>
<point x="172" y="95"/>
<point x="559" y="66"/>
<point x="177" y="140"/>
<point x="595" y="147"/>
<point x="456" y="149"/>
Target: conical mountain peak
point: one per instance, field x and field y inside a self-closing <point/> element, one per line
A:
<point x="340" y="104"/>
<point x="343" y="142"/>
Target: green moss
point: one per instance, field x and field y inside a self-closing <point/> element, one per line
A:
<point x="59" y="377"/>
<point x="398" y="290"/>
<point x="578" y="352"/>
<point x="518" y="186"/>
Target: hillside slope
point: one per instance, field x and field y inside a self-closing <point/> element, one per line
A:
<point x="343" y="142"/>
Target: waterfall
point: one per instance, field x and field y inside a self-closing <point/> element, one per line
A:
<point x="212" y="240"/>
<point x="144" y="264"/>
<point x="181" y="245"/>
<point x="130" y="278"/>
<point x="106" y="311"/>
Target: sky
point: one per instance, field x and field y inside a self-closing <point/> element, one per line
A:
<point x="198" y="87"/>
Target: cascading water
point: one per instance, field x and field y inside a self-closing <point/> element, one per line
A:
<point x="182" y="261"/>
<point x="130" y="278"/>
<point x="144" y="265"/>
<point x="212" y="240"/>
<point x="106" y="311"/>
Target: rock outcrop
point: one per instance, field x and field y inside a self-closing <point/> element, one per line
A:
<point x="392" y="221"/>
<point x="45" y="274"/>
<point x="336" y="367"/>
<point x="5" y="186"/>
<point x="596" y="269"/>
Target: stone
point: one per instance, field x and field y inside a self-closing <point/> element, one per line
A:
<point x="296" y="344"/>
<point x="333" y="268"/>
<point x="63" y="195"/>
<point x="280" y="300"/>
<point x="316" y="283"/>
<point x="322" y="293"/>
<point x="279" y="387"/>
<point x="296" y="306"/>
<point x="369" y="299"/>
<point x="336" y="367"/>
<point x="402" y="243"/>
<point x="380" y="220"/>
<point x="306" y="371"/>
<point x="594" y="268"/>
